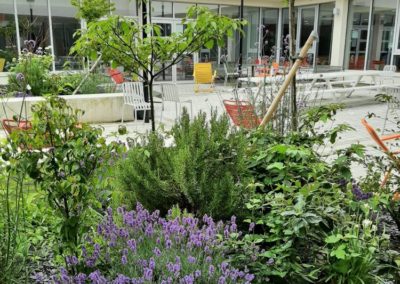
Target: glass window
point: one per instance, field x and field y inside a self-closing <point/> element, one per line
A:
<point x="8" y="40"/>
<point x="212" y="7"/>
<point x="357" y="33"/>
<point x="34" y="22"/>
<point x="125" y="7"/>
<point x="325" y="31"/>
<point x="251" y="34"/>
<point x="64" y="26"/>
<point x="285" y="34"/>
<point x="180" y="9"/>
<point x="269" y="31"/>
<point x="382" y="31"/>
<point x="230" y="51"/>
<point x="161" y="9"/>
<point x="166" y="75"/>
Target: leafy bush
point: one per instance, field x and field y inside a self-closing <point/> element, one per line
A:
<point x="309" y="233"/>
<point x="64" y="161"/>
<point x="65" y="84"/>
<point x="204" y="171"/>
<point x="32" y="69"/>
<point x="141" y="247"/>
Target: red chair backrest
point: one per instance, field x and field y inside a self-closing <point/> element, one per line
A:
<point x="374" y="135"/>
<point x="116" y="76"/>
<point x="11" y="125"/>
<point x="242" y="113"/>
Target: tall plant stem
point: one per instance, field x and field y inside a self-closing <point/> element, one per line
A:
<point x="293" y="95"/>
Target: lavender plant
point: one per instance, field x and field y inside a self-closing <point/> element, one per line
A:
<point x="141" y="247"/>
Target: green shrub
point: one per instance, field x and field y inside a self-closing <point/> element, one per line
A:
<point x="63" y="164"/>
<point x="31" y="71"/>
<point x="204" y="171"/>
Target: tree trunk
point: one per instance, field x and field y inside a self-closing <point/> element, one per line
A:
<point x="292" y="39"/>
<point x="150" y="89"/>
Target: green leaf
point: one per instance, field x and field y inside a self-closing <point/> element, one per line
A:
<point x="340" y="252"/>
<point x="333" y="239"/>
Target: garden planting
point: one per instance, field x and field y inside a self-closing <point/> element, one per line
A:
<point x="218" y="204"/>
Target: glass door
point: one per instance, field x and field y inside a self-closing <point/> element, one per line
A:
<point x="306" y="23"/>
<point x="166" y="27"/>
<point x="184" y="69"/>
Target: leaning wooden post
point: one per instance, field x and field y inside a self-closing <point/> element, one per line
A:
<point x="275" y="103"/>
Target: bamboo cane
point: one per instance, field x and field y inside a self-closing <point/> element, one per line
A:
<point x="87" y="75"/>
<point x="275" y="103"/>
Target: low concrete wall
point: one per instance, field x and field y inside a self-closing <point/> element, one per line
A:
<point x="98" y="108"/>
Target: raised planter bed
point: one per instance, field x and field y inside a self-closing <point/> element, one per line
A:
<point x="98" y="108"/>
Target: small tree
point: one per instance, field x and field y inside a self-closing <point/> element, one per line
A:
<point x="119" y="40"/>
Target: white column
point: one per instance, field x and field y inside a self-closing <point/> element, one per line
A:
<point x="51" y="35"/>
<point x="17" y="28"/>
<point x="339" y="33"/>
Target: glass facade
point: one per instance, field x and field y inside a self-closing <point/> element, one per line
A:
<point x="372" y="40"/>
<point x="371" y="34"/>
<point x="33" y="21"/>
<point x="8" y="34"/>
<point x="325" y="31"/>
<point x="64" y="26"/>
<point x="357" y="34"/>
<point x="381" y="34"/>
<point x="269" y="25"/>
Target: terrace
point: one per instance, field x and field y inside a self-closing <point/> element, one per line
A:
<point x="239" y="172"/>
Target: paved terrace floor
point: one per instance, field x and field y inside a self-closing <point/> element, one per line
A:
<point x="357" y="106"/>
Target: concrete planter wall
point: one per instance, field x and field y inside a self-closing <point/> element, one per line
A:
<point x="98" y="108"/>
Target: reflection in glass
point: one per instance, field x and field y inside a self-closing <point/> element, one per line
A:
<point x="166" y="75"/>
<point x="33" y="22"/>
<point x="357" y="34"/>
<point x="325" y="30"/>
<point x="8" y="40"/>
<point x="269" y="31"/>
<point x="251" y="34"/>
<point x="64" y="26"/>
<point x="125" y="8"/>
<point x="231" y="49"/>
<point x="382" y="32"/>
<point x="161" y="9"/>
<point x="180" y="9"/>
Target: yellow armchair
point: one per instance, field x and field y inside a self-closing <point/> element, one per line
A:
<point x="2" y="63"/>
<point x="203" y="75"/>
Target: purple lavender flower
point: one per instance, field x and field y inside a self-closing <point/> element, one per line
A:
<point x="80" y="278"/>
<point x="132" y="244"/>
<point x="211" y="270"/>
<point x="97" y="278"/>
<point x="221" y="280"/>
<point x="148" y="274"/>
<point x="188" y="279"/>
<point x="157" y="251"/>
<point x="168" y="243"/>
<point x="191" y="259"/>
<point x="71" y="260"/>
<point x="152" y="263"/>
<point x="251" y="226"/>
<point x="249" y="278"/>
<point x="122" y="279"/>
<point x="20" y="77"/>
<point x="124" y="260"/>
<point x="64" y="276"/>
<point x="197" y="273"/>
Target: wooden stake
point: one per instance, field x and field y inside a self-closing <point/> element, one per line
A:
<point x="303" y="53"/>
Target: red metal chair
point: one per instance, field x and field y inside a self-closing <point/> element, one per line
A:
<point x="242" y="113"/>
<point x="116" y="76"/>
<point x="380" y="140"/>
<point x="10" y="125"/>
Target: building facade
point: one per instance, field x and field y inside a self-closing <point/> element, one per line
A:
<point x="353" y="34"/>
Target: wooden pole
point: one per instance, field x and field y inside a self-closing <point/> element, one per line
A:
<point x="272" y="109"/>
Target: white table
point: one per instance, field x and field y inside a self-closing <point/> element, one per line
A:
<point x="343" y="83"/>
